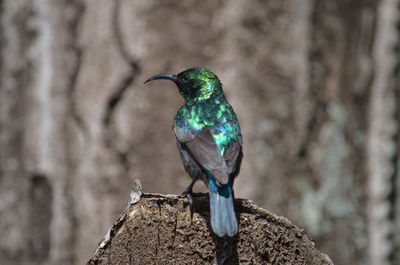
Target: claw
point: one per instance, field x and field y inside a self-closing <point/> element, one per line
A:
<point x="188" y="193"/>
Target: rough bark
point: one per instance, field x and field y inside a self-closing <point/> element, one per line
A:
<point x="159" y="229"/>
<point x="381" y="142"/>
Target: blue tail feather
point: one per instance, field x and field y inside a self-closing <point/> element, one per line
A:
<point x="222" y="211"/>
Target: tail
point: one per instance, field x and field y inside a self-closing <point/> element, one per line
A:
<point x="223" y="218"/>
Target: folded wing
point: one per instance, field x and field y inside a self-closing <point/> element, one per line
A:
<point x="204" y="150"/>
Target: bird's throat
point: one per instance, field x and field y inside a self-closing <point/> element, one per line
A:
<point x="204" y="95"/>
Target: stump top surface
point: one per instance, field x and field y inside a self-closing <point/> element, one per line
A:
<point x="160" y="229"/>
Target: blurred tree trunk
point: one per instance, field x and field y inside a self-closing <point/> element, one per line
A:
<point x="312" y="83"/>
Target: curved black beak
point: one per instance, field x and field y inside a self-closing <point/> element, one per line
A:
<point x="171" y="77"/>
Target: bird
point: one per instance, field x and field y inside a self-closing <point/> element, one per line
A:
<point x="209" y="141"/>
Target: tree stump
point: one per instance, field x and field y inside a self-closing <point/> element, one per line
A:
<point x="162" y="229"/>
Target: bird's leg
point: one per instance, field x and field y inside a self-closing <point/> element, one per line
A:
<point x="188" y="193"/>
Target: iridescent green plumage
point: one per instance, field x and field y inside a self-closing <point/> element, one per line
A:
<point x="207" y="106"/>
<point x="214" y="112"/>
<point x="209" y="141"/>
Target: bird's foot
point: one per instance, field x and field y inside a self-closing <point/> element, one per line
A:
<point x="188" y="193"/>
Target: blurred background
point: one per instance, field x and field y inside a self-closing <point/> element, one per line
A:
<point x="314" y="83"/>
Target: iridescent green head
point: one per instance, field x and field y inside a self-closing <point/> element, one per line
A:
<point x="194" y="83"/>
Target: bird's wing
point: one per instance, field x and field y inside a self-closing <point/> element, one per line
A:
<point x="233" y="156"/>
<point x="204" y="150"/>
<point x="183" y="135"/>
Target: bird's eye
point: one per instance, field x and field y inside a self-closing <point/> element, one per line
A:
<point x="184" y="79"/>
